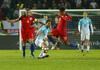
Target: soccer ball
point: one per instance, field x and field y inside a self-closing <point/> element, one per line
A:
<point x="45" y="49"/>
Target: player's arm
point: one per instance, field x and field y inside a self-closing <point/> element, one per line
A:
<point x="39" y="27"/>
<point x="37" y="35"/>
<point x="50" y="28"/>
<point x="34" y="25"/>
<point x="92" y="29"/>
<point x="79" y="26"/>
<point x="11" y="21"/>
<point x="39" y="21"/>
<point x="90" y="23"/>
<point x="57" y="39"/>
<point x="64" y="18"/>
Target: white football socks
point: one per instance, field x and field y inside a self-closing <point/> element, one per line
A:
<point x="41" y="54"/>
<point x="44" y="54"/>
<point x="82" y="47"/>
<point x="88" y="47"/>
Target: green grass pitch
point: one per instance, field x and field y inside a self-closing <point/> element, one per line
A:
<point x="58" y="60"/>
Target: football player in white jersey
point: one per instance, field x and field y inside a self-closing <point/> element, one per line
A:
<point x="41" y="38"/>
<point x="83" y="27"/>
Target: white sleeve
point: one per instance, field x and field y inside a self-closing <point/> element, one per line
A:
<point x="79" y="27"/>
<point x="91" y="28"/>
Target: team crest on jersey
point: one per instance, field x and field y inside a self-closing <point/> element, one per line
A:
<point x="30" y="18"/>
<point x="42" y="28"/>
<point x="65" y="16"/>
<point x="87" y="21"/>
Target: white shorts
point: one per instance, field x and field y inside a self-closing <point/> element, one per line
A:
<point x="85" y="36"/>
<point x="39" y="42"/>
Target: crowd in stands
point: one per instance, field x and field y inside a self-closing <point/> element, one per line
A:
<point x="11" y="8"/>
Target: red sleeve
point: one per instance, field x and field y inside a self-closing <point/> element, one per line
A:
<point x="63" y="18"/>
<point x="69" y="17"/>
<point x="32" y="23"/>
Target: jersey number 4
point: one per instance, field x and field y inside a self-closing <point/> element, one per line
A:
<point x="27" y="21"/>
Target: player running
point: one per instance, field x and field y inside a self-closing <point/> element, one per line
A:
<point x="61" y="28"/>
<point x="26" y="29"/>
<point x="83" y="27"/>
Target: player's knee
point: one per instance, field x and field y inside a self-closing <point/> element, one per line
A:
<point x="88" y="42"/>
<point x="24" y="44"/>
<point x="31" y="42"/>
<point x="48" y="35"/>
<point x="67" y="43"/>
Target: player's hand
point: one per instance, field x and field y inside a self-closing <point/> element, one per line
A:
<point x="80" y="32"/>
<point x="57" y="14"/>
<point x="60" y="41"/>
<point x="92" y="34"/>
<point x="7" y="18"/>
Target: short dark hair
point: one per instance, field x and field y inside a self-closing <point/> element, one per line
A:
<point x="48" y="21"/>
<point x="27" y="9"/>
<point x="62" y="8"/>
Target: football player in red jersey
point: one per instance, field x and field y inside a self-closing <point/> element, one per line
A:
<point x="26" y="29"/>
<point x="61" y="28"/>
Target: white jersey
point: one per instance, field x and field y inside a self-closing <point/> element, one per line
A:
<point x="84" y="24"/>
<point x="44" y="33"/>
<point x="40" y="38"/>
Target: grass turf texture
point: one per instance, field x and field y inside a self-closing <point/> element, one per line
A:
<point x="58" y="60"/>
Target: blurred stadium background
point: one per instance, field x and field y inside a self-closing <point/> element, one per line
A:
<point x="9" y="32"/>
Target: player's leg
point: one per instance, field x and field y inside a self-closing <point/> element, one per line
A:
<point x="31" y="42"/>
<point x="71" y="44"/>
<point x="65" y="39"/>
<point x="53" y="33"/>
<point x="24" y="47"/>
<point x="82" y="42"/>
<point x="58" y="44"/>
<point x="88" y="45"/>
<point x="24" y="40"/>
<point x="50" y="34"/>
<point x="45" y="44"/>
<point x="38" y="42"/>
<point x="82" y="46"/>
<point x="53" y="41"/>
<point x="88" y="42"/>
<point x="30" y="37"/>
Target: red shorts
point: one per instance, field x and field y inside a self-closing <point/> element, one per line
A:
<point x="27" y="35"/>
<point x="62" y="34"/>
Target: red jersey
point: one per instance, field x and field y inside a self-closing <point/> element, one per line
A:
<point x="26" y="22"/>
<point x="63" y="21"/>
